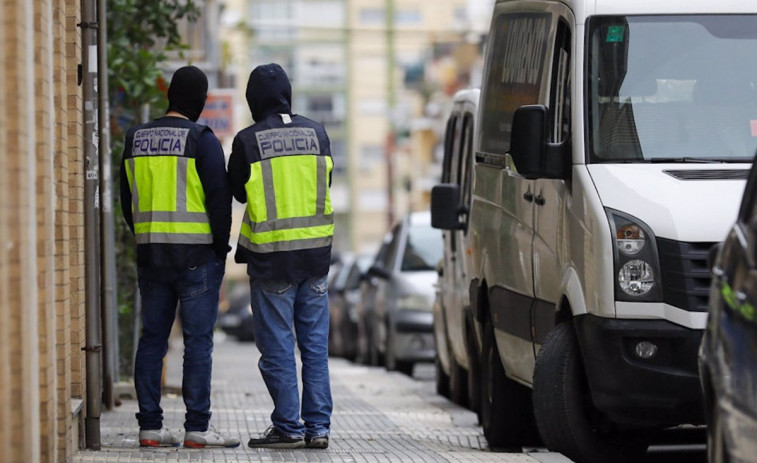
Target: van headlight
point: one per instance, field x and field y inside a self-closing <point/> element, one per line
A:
<point x="637" y="266"/>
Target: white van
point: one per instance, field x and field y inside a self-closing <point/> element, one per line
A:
<point x="613" y="143"/>
<point x="456" y="373"/>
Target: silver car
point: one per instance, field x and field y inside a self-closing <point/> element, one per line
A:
<point x="404" y="293"/>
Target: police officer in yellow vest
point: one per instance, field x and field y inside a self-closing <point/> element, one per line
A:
<point x="175" y="196"/>
<point x="281" y="167"/>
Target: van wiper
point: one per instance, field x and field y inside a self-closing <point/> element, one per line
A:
<point x="686" y="159"/>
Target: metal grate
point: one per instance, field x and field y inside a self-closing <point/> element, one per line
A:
<point x="716" y="174"/>
<point x="685" y="274"/>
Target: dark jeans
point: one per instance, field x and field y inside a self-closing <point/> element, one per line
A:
<point x="195" y="289"/>
<point x="285" y="313"/>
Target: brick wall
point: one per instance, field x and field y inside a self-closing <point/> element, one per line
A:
<point x="41" y="229"/>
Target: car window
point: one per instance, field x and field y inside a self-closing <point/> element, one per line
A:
<point x="423" y="249"/>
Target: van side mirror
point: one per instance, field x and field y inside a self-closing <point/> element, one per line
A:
<point x="533" y="155"/>
<point x="445" y="207"/>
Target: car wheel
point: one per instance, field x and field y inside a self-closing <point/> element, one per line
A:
<point x="391" y="360"/>
<point x="405" y="366"/>
<point x="458" y="381"/>
<point x="374" y="356"/>
<point x="505" y="404"/>
<point x="562" y="407"/>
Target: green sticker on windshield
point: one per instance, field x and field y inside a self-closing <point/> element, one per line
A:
<point x="615" y="34"/>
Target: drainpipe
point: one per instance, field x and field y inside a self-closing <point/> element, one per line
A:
<point x="93" y="343"/>
<point x="390" y="103"/>
<point x="107" y="233"/>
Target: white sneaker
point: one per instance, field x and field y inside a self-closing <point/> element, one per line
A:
<point x="157" y="438"/>
<point x="209" y="438"/>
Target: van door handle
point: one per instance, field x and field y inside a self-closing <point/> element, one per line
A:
<point x="540" y="200"/>
<point x="528" y="196"/>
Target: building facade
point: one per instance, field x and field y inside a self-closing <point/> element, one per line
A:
<point x="42" y="265"/>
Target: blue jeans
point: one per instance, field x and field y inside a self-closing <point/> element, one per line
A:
<point x="161" y="288"/>
<point x="282" y="310"/>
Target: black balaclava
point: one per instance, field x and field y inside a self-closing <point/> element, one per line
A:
<point x="188" y="92"/>
<point x="269" y="91"/>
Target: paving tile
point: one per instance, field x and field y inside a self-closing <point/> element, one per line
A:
<point x="379" y="417"/>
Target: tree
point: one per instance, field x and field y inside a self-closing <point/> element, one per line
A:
<point x="140" y="34"/>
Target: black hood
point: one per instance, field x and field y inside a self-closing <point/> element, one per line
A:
<point x="269" y="91"/>
<point x="188" y="92"/>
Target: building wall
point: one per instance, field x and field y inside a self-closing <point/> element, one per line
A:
<point x="378" y="108"/>
<point x="41" y="223"/>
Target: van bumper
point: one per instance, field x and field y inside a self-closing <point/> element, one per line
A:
<point x="660" y="391"/>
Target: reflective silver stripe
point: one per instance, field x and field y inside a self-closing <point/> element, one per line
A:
<point x="291" y="223"/>
<point x="168" y="216"/>
<point x="174" y="238"/>
<point x="293" y="245"/>
<point x="322" y="179"/>
<point x="182" y="164"/>
<point x="270" y="194"/>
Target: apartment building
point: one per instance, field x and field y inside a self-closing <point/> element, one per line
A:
<point x="42" y="262"/>
<point x="378" y="74"/>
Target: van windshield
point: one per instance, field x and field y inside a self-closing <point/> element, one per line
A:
<point x="672" y="88"/>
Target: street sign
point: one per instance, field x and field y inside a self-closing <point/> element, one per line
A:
<point x="218" y="113"/>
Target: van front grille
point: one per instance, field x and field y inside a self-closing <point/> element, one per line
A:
<point x="685" y="275"/>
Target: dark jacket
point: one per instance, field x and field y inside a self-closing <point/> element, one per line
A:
<point x="269" y="96"/>
<point x="209" y="162"/>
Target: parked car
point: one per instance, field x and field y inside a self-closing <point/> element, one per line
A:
<point x="403" y="319"/>
<point x="605" y="169"/>
<point x="365" y="310"/>
<point x="456" y="359"/>
<point x="728" y="354"/>
<point x="236" y="320"/>
<point x="344" y="295"/>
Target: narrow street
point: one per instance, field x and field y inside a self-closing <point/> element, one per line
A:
<point x="378" y="417"/>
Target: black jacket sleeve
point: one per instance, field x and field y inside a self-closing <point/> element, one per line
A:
<point x="239" y="170"/>
<point x="212" y="171"/>
<point x="126" y="196"/>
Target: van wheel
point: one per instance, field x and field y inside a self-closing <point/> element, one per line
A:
<point x="505" y="404"/>
<point x="716" y="448"/>
<point x="474" y="370"/>
<point x="563" y="410"/>
<point x="458" y="383"/>
<point x="442" y="380"/>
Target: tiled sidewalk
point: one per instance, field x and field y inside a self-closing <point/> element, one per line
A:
<point x="378" y="417"/>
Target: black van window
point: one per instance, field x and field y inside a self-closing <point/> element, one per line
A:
<point x="449" y="136"/>
<point x="514" y="75"/>
<point x="559" y="101"/>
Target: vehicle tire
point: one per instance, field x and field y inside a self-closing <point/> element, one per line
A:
<point x="406" y="367"/>
<point x="505" y="404"/>
<point x="390" y="359"/>
<point x="562" y="407"/>
<point x="245" y="333"/>
<point x="474" y="370"/>
<point x="458" y="381"/>
<point x="716" y="448"/>
<point x="374" y="356"/>
<point x="442" y="380"/>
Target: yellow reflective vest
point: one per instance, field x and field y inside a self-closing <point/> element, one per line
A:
<point x="288" y="197"/>
<point x="168" y="200"/>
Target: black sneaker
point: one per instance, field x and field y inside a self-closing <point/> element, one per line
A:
<point x="320" y="442"/>
<point x="275" y="439"/>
